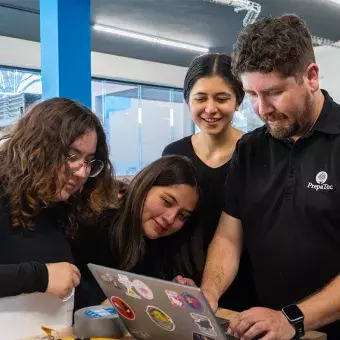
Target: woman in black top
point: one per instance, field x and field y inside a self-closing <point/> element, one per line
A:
<point x="144" y="234"/>
<point x="54" y="172"/>
<point x="213" y="95"/>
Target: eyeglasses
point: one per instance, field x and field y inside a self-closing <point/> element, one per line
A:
<point x="94" y="167"/>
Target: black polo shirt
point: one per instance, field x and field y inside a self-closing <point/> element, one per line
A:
<point x="287" y="196"/>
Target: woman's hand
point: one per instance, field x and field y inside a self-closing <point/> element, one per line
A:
<point x="62" y="278"/>
<point x="184" y="281"/>
<point x="106" y="303"/>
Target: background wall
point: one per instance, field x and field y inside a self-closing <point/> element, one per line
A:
<point x="144" y="114"/>
<point x="140" y="117"/>
<point x="26" y="54"/>
<point x="328" y="59"/>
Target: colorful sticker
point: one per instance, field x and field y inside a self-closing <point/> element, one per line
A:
<point x="123" y="308"/>
<point x="204" y="324"/>
<point x="124" y="279"/>
<point x="143" y="289"/>
<point x="175" y="299"/>
<point x="197" y="336"/>
<point x="132" y="293"/>
<point x="160" y="318"/>
<point x="101" y="312"/>
<point x="193" y="301"/>
<point x="129" y="286"/>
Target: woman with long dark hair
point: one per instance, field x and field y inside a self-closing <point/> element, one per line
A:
<point x="213" y="95"/>
<point x="143" y="235"/>
<point x="54" y="174"/>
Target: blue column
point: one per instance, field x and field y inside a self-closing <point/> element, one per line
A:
<point x="65" y="36"/>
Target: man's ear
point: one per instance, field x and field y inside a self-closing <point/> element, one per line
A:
<point x="312" y="77"/>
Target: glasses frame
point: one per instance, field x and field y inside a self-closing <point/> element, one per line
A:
<point x="86" y="165"/>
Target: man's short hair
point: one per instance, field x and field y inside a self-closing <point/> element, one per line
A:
<point x="282" y="44"/>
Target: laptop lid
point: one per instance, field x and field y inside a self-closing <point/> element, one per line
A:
<point x="156" y="309"/>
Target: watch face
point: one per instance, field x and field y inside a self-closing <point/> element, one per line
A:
<point x="293" y="313"/>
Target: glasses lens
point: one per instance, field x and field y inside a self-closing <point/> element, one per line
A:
<point x="96" y="167"/>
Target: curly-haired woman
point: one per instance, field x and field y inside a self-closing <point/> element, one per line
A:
<point x="54" y="173"/>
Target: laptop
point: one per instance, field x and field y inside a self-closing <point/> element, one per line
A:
<point x="156" y="309"/>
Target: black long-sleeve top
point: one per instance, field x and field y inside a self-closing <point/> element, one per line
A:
<point x="23" y="254"/>
<point x="92" y="244"/>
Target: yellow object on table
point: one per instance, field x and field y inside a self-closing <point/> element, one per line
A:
<point x="68" y="334"/>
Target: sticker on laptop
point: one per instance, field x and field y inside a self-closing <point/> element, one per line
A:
<point x="175" y="299"/>
<point x="160" y="318"/>
<point x="116" y="283"/>
<point x="107" y="278"/>
<point x="100" y="312"/>
<point x="197" y="336"/>
<point x="193" y="302"/>
<point x="123" y="308"/>
<point x="142" y="289"/>
<point x="123" y="279"/>
<point x="204" y="324"/>
<point x="130" y="292"/>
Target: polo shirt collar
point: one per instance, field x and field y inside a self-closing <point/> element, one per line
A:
<point x="329" y="119"/>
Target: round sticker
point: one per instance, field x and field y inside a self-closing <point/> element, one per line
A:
<point x="192" y="301"/>
<point x="123" y="308"/>
<point x="142" y="289"/>
<point x="160" y="318"/>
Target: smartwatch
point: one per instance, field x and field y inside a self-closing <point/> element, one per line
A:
<point x="295" y="318"/>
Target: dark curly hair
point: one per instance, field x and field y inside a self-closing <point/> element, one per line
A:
<point x="282" y="44"/>
<point x="210" y="64"/>
<point x="31" y="157"/>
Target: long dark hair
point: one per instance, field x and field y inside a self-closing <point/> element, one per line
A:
<point x="34" y="151"/>
<point x="127" y="240"/>
<point x="211" y="64"/>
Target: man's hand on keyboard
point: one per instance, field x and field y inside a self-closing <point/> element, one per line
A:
<point x="255" y="321"/>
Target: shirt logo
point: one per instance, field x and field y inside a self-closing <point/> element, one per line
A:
<point x="321" y="179"/>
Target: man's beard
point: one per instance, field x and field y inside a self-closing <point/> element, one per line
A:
<point x="298" y="124"/>
<point x="285" y="130"/>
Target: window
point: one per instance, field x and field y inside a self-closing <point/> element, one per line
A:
<point x="14" y="81"/>
<point x="245" y="118"/>
<point x="139" y="121"/>
<point x="18" y="89"/>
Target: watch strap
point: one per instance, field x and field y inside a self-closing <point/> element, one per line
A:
<point x="299" y="329"/>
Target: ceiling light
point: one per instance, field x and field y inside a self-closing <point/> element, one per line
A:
<point x="149" y="38"/>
